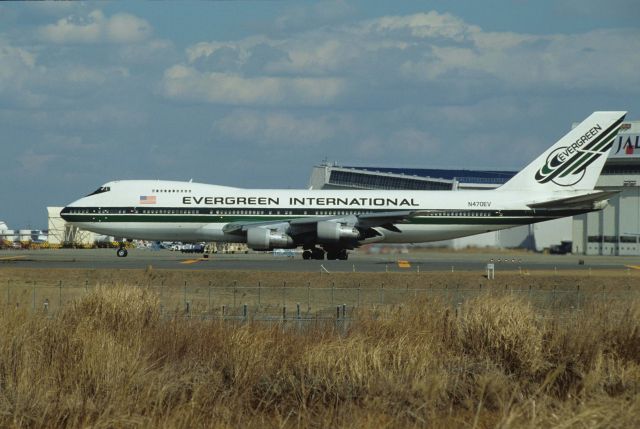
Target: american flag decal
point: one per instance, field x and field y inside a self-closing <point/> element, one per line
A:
<point x="147" y="199"/>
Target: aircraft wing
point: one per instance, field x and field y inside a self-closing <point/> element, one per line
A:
<point x="582" y="201"/>
<point x="305" y="224"/>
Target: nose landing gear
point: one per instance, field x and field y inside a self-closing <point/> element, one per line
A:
<point x="122" y="251"/>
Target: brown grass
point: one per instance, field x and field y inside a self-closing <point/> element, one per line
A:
<point x="110" y="360"/>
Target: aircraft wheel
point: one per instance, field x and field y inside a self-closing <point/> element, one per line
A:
<point x="343" y="255"/>
<point x="122" y="253"/>
<point x="332" y="256"/>
<point x="317" y="254"/>
<point x="306" y="254"/>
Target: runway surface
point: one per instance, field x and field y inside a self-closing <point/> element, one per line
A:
<point x="359" y="262"/>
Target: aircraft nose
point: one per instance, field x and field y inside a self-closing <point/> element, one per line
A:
<point x="65" y="212"/>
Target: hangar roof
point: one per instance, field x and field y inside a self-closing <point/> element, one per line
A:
<point x="462" y="176"/>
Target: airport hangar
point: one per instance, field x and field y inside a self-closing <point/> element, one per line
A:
<point x="612" y="231"/>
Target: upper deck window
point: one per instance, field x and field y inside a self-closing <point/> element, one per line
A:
<point x="100" y="190"/>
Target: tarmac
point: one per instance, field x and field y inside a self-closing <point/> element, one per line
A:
<point x="432" y="260"/>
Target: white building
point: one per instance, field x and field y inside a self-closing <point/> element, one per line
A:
<point x="61" y="232"/>
<point x="616" y="229"/>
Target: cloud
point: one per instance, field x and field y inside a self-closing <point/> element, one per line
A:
<point x="421" y="26"/>
<point x="96" y="28"/>
<point x="456" y="61"/>
<point x="187" y="83"/>
<point x="14" y="62"/>
<point x="17" y="66"/>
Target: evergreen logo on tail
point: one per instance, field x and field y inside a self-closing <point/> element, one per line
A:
<point x="566" y="165"/>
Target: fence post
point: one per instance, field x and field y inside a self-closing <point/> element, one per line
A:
<point x="298" y="310"/>
<point x="344" y="311"/>
<point x="358" y="304"/>
<point x="284" y="293"/>
<point x="308" y="297"/>
<point x="382" y="294"/>
<point x="185" y="291"/>
<point x="244" y="312"/>
<point x="224" y="311"/>
<point x="333" y="288"/>
<point x="86" y="286"/>
<point x="235" y="292"/>
<point x="284" y="313"/>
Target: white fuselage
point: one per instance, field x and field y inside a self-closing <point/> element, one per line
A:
<point x="185" y="211"/>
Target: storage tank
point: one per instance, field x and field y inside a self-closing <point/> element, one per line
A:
<point x="24" y="235"/>
<point x="9" y="235"/>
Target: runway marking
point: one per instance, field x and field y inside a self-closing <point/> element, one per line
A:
<point x="12" y="258"/>
<point x="404" y="264"/>
<point x="193" y="261"/>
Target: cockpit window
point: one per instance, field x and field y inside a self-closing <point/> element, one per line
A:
<point x="100" y="190"/>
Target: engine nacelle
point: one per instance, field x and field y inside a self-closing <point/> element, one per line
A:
<point x="267" y="239"/>
<point x="332" y="232"/>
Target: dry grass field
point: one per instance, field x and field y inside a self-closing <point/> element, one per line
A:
<point x="110" y="358"/>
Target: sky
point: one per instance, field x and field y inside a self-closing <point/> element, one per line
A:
<point x="255" y="93"/>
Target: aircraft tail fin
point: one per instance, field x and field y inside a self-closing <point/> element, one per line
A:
<point x="575" y="161"/>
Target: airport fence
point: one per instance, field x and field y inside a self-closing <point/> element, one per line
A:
<point x="306" y="303"/>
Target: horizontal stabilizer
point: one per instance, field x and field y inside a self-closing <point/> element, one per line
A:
<point x="581" y="201"/>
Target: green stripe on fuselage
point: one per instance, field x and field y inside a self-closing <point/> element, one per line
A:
<point x="419" y="220"/>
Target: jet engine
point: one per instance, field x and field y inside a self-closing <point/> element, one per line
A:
<point x="332" y="232"/>
<point x="267" y="239"/>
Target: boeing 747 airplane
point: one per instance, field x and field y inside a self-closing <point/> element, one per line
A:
<point x="558" y="183"/>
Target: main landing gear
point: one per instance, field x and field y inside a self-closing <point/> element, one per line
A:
<point x="340" y="254"/>
<point x="313" y="253"/>
<point x="332" y="254"/>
